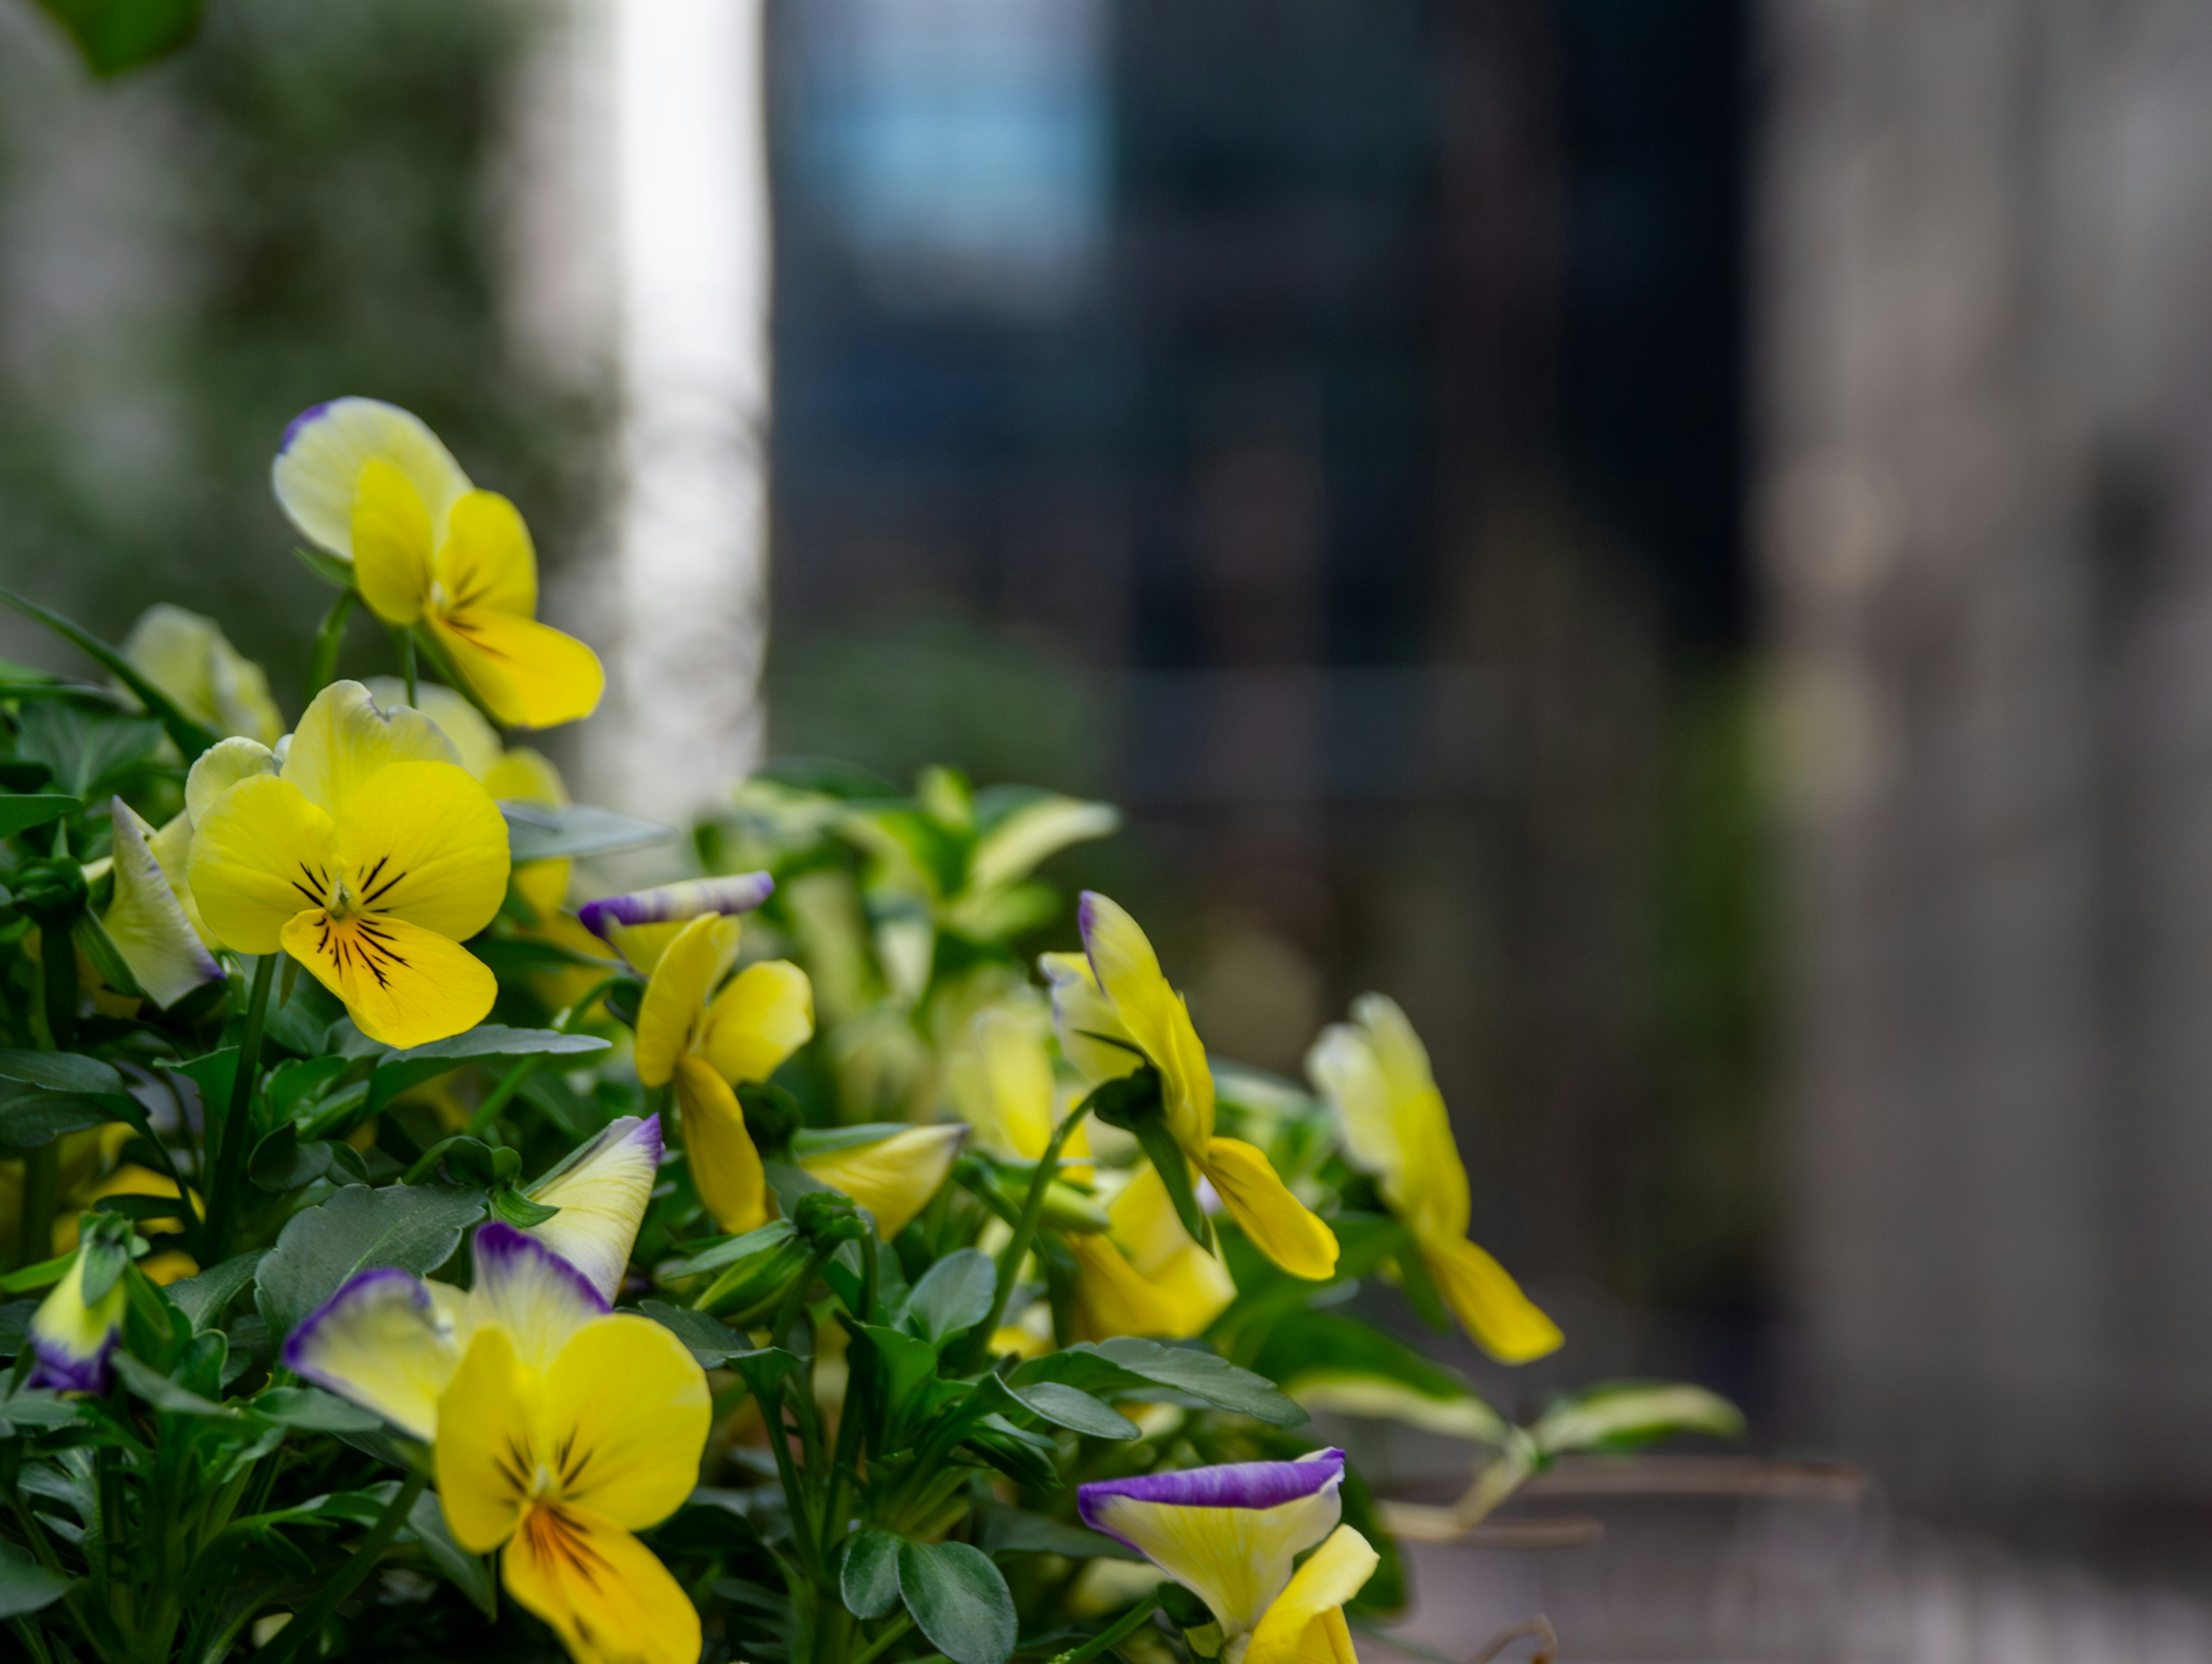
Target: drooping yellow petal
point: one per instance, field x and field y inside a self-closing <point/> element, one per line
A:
<point x="487" y="560"/>
<point x="1175" y="1301"/>
<point x="146" y="921"/>
<point x="402" y="985"/>
<point x="1296" y="1629"/>
<point x="1145" y="1223"/>
<point x="764" y="1014"/>
<point x="1081" y="1015"/>
<point x="1280" y="1225"/>
<point x="670" y="1015"/>
<point x="605" y="1594"/>
<point x="220" y="767"/>
<point x="893" y="1177"/>
<point x="475" y="741"/>
<point x="424" y="843"/>
<point x="1505" y="1323"/>
<point x="263" y="855"/>
<point x="392" y="546"/>
<point x="490" y="1428"/>
<point x="318" y="469"/>
<point x="382" y="1341"/>
<point x="629" y="1405"/>
<point x="529" y="674"/>
<point x="343" y="741"/>
<point x="726" y="1167"/>
<point x="1129" y="975"/>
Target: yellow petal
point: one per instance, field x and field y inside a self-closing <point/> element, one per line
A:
<point x="670" y="1015"/>
<point x="893" y="1177"/>
<point x="263" y="855"/>
<point x="318" y="467"/>
<point x="382" y="1341"/>
<point x="402" y="985"/>
<point x="602" y="1195"/>
<point x="725" y="1168"/>
<point x="1145" y="1223"/>
<point x="1296" y="1629"/>
<point x="526" y="1289"/>
<point x="544" y="885"/>
<point x="146" y="921"/>
<point x="343" y="740"/>
<point x="626" y="1409"/>
<point x="490" y="1441"/>
<point x="1505" y="1323"/>
<point x="529" y="674"/>
<point x="391" y="545"/>
<point x="523" y="775"/>
<point x="1129" y="975"/>
<point x="761" y="1016"/>
<point x="1429" y="1188"/>
<point x="188" y="658"/>
<point x="1279" y="1224"/>
<point x="605" y="1594"/>
<point x="1080" y="1013"/>
<point x="424" y="843"/>
<point x="475" y="741"/>
<point x="1347" y="1073"/>
<point x="487" y="560"/>
<point x="1175" y="1302"/>
<point x="1012" y="1110"/>
<point x="220" y="767"/>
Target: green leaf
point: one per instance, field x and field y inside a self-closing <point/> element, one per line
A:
<point x="414" y="1227"/>
<point x="517" y="1209"/>
<point x="1071" y="1407"/>
<point x="1621" y="1415"/>
<point x="1004" y="1530"/>
<point x="1018" y="834"/>
<point x="1326" y="1361"/>
<point x="163" y="1394"/>
<point x="469" y="1573"/>
<point x="1126" y="1364"/>
<point x="83" y="746"/>
<point x="539" y="832"/>
<point x="959" y="1600"/>
<point x="908" y="1367"/>
<point x="710" y="1342"/>
<point x="115" y="35"/>
<point x="98" y="948"/>
<point x="315" y="1411"/>
<point x="60" y="1072"/>
<point x="26" y="1586"/>
<point x="734" y="1251"/>
<point x="20" y="814"/>
<point x="869" y="1582"/>
<point x="203" y="1298"/>
<point x="36" y="1408"/>
<point x="281" y="1163"/>
<point x="29" y="1118"/>
<point x="953" y="1295"/>
<point x="397" y="1072"/>
<point x="127" y="19"/>
<point x="333" y="571"/>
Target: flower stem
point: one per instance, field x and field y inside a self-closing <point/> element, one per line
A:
<point x="323" y="662"/>
<point x="899" y="1626"/>
<point x="503" y="1094"/>
<point x="228" y="1157"/>
<point x="404" y="641"/>
<point x="1119" y="1630"/>
<point x="978" y="1344"/>
<point x="42" y="1187"/>
<point x="306" y="1626"/>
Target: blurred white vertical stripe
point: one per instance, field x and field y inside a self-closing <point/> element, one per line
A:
<point x="692" y="229"/>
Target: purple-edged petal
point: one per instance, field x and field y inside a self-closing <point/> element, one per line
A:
<point x="672" y="904"/>
<point x="1230" y="1533"/>
<point x="146" y="921"/>
<point x="72" y="1340"/>
<point x="601" y="1195"/>
<point x="532" y="1292"/>
<point x="317" y="472"/>
<point x="383" y="1342"/>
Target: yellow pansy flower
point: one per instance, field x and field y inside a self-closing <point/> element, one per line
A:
<point x="370" y="483"/>
<point x="1115" y="1010"/>
<point x="368" y="854"/>
<point x="890" y="1170"/>
<point x="1376" y="1072"/>
<point x="189" y="658"/>
<point x="557" y="1429"/>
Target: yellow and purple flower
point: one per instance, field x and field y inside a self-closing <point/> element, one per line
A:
<point x="72" y="1337"/>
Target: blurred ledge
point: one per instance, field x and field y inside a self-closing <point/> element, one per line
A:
<point x="1311" y="734"/>
<point x="1700" y="1476"/>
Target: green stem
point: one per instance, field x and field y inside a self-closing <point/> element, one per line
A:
<point x="228" y="1157"/>
<point x="33" y="1639"/>
<point x="1119" y="1630"/>
<point x="403" y="640"/>
<point x="323" y="662"/>
<point x="42" y="1189"/>
<point x="794" y="1496"/>
<point x="58" y="963"/>
<point x="306" y="1627"/>
<point x="978" y="1344"/>
<point x="503" y="1094"/>
<point x="899" y="1626"/>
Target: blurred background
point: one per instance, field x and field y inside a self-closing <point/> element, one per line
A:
<point x="1668" y="535"/>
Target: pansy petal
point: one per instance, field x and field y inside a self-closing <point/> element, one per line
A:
<point x="1174" y="1302"/>
<point x="475" y="741"/>
<point x="343" y="741"/>
<point x="487" y="560"/>
<point x="524" y="775"/>
<point x="1129" y="975"/>
<point x="1339" y="1569"/>
<point x="1347" y="1074"/>
<point x="424" y="843"/>
<point x="1280" y="1225"/>
<point x="491" y="1440"/>
<point x="726" y="1167"/>
<point x="1017" y="1071"/>
<point x="895" y="1177"/>
<point x="677" y="903"/>
<point x="382" y="1342"/>
<point x="1145" y="1223"/>
<point x="263" y="855"/>
<point x="318" y="467"/>
<point x="529" y="674"/>
<point x="675" y="1002"/>
<point x="602" y="1195"/>
<point x="762" y="1015"/>
<point x="147" y="923"/>
<point x="1092" y="1037"/>
<point x="1482" y="1294"/>
<point x="71" y="1339"/>
<point x="603" y="1592"/>
<point x="188" y="658"/>
<point x="391" y="545"/>
<point x="402" y="985"/>
<point x="628" y="1405"/>
<point x="220" y="767"/>
<point x="538" y="1297"/>
<point x="1229" y="1533"/>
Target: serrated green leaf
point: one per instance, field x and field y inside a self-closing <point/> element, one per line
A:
<point x="959" y="1600"/>
<point x="201" y="1298"/>
<point x="413" y="1227"/>
<point x="710" y="1342"/>
<point x="488" y="1042"/>
<point x="868" y="1583"/>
